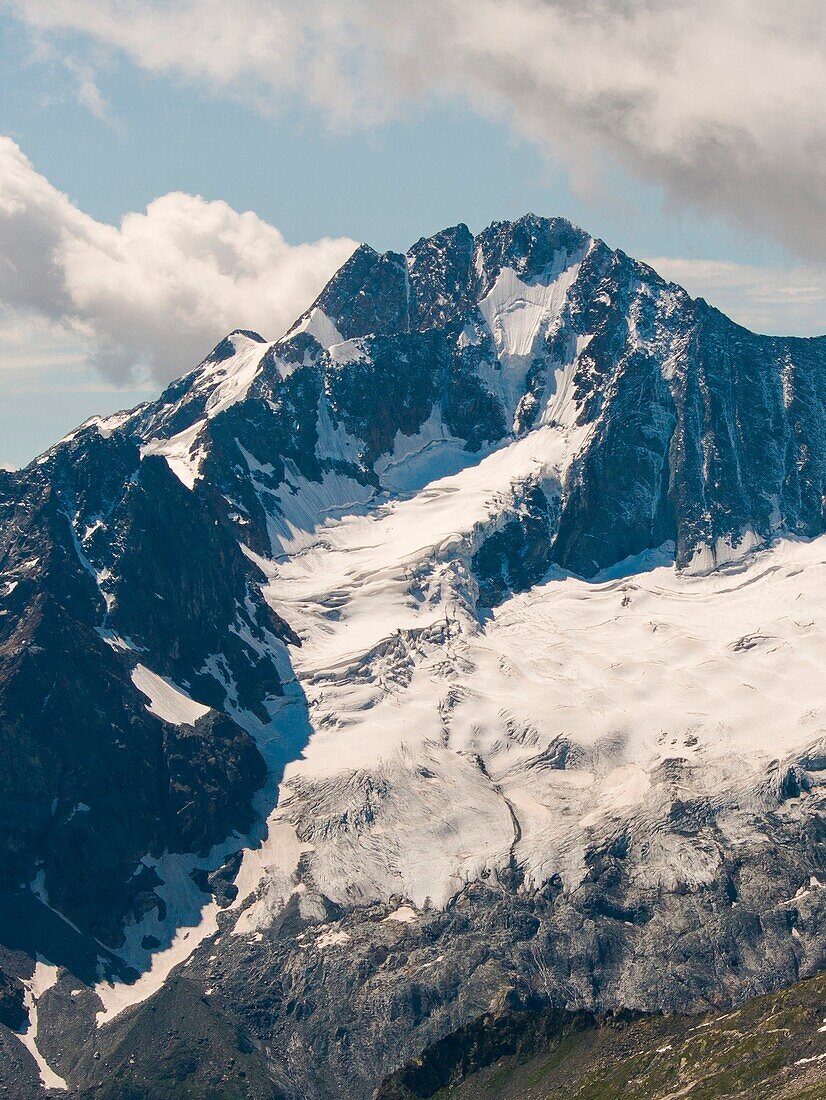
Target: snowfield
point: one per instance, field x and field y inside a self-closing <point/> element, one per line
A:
<point x="167" y="700"/>
<point x="444" y="747"/>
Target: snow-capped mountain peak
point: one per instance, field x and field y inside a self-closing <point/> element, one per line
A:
<point x="458" y="649"/>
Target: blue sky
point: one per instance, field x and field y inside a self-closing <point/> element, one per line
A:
<point x="111" y="134"/>
<point x="387" y="184"/>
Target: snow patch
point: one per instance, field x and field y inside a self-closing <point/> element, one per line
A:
<point x="350" y="351"/>
<point x="108" y="424"/>
<point x="300" y="509"/>
<point x="231" y="379"/>
<point x="405" y="914"/>
<point x="332" y="938"/>
<point x="320" y="327"/>
<point x="182" y="452"/>
<point x="44" y="977"/>
<point x="224" y="383"/>
<point x="520" y="315"/>
<point x="166" y="700"/>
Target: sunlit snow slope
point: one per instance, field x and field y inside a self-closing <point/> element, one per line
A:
<point x="559" y="719"/>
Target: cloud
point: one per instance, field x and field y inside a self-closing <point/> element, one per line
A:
<point x="143" y="301"/>
<point x="87" y="92"/>
<point x="150" y="297"/>
<point x="771" y="300"/>
<point x="30" y="343"/>
<point x="717" y="101"/>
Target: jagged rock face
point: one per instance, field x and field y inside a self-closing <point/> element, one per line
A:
<point x="91" y="781"/>
<point x="442" y="560"/>
<point x="699" y="432"/>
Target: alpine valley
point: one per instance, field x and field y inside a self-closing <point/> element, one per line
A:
<point x="446" y="673"/>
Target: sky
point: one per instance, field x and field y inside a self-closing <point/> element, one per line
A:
<point x="171" y="171"/>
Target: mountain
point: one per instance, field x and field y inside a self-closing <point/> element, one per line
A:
<point x="458" y="653"/>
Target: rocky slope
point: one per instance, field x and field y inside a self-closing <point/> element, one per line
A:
<point x="773" y="1048"/>
<point x="460" y="649"/>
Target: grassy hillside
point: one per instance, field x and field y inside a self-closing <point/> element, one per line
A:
<point x="772" y="1048"/>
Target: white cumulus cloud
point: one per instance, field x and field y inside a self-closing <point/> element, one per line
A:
<point x="717" y="101"/>
<point x="150" y="296"/>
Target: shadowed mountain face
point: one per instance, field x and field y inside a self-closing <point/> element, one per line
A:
<point x="502" y="560"/>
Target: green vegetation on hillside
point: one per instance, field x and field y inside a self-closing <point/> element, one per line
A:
<point x="771" y="1048"/>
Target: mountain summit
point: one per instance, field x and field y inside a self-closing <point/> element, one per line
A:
<point x="456" y="654"/>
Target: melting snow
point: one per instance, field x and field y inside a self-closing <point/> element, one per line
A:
<point x="187" y="921"/>
<point x="814" y="1058"/>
